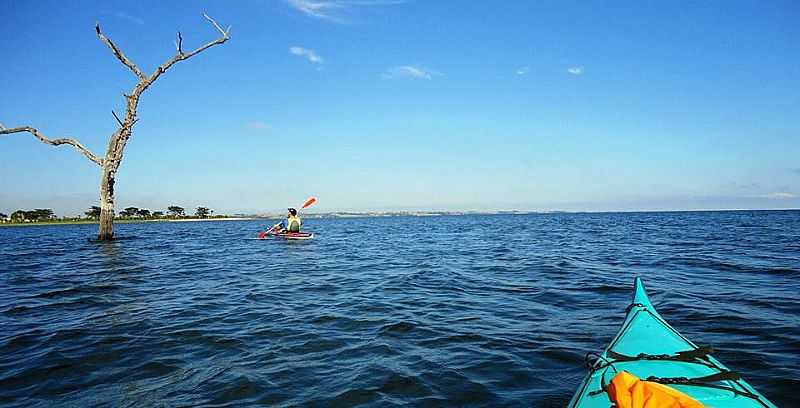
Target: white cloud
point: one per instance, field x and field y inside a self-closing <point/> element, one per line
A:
<point x="307" y="54"/>
<point x="523" y="70"/>
<point x="318" y="9"/>
<point x="334" y="10"/>
<point x="781" y="195"/>
<point x="575" y="70"/>
<point x="409" y="71"/>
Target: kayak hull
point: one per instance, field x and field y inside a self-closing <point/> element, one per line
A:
<point x="298" y="236"/>
<point x="646" y="332"/>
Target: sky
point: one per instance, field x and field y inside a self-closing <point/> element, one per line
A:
<point x="409" y="105"/>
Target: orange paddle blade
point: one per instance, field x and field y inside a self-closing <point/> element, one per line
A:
<point x="309" y="202"/>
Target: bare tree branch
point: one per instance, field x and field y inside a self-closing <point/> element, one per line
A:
<point x="118" y="53"/>
<point x="221" y="31"/>
<point x="180" y="55"/>
<point x="55" y="142"/>
<point x="117" y="118"/>
<point x="179" y="44"/>
<point x="119" y="139"/>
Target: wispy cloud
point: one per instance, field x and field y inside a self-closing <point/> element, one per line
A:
<point x="523" y="70"/>
<point x="122" y="15"/>
<point x="409" y="72"/>
<point x="575" y="70"/>
<point x="126" y="16"/>
<point x="781" y="195"/>
<point x="310" y="55"/>
<point x="335" y="10"/>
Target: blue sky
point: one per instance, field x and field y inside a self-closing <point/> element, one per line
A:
<point x="387" y="105"/>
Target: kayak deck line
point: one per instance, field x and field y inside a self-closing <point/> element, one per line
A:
<point x="648" y="347"/>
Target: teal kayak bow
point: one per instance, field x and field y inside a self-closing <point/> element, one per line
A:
<point x="649" y="348"/>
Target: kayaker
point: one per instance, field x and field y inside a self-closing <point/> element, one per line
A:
<point x="292" y="221"/>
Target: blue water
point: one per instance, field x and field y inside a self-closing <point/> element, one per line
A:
<point x="471" y="310"/>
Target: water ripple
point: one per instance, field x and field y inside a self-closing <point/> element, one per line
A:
<point x="384" y="311"/>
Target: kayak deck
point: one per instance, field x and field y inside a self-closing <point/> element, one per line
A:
<point x="647" y="346"/>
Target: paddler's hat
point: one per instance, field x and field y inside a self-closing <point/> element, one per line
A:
<point x="292" y="211"/>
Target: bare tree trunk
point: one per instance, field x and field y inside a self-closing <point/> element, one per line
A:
<point x="106" y="231"/>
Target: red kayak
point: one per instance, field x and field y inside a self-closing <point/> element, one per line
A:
<point x="285" y="235"/>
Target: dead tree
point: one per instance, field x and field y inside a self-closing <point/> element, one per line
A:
<point x="116" y="143"/>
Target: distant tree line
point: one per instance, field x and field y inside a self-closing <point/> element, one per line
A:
<point x="39" y="214"/>
<point x="46" y="214"/>
<point x="173" y="211"/>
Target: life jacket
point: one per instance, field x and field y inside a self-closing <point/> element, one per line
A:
<point x="293" y="223"/>
<point x="628" y="391"/>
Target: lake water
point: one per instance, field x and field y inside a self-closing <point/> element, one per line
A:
<point x="469" y="310"/>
